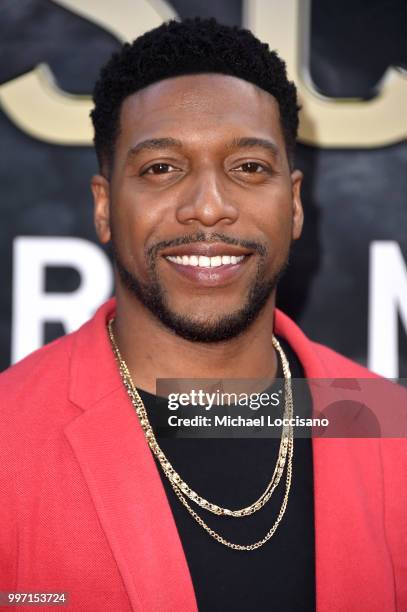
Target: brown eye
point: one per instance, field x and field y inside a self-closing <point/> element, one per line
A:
<point x="252" y="167"/>
<point x="158" y="169"/>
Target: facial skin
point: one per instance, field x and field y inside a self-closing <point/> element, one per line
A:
<point x="200" y="168"/>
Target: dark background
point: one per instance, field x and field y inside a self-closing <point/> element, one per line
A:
<point x="351" y="197"/>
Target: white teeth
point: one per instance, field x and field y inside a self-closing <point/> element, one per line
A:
<point x="216" y="261"/>
<point x="205" y="262"/>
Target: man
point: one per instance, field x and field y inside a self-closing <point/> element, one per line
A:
<point x="195" y="127"/>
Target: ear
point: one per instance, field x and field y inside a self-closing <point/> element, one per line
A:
<point x="101" y="207"/>
<point x="298" y="213"/>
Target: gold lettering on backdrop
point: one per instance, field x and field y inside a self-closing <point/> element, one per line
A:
<point x="55" y="116"/>
<point x="328" y="122"/>
<point x="35" y="103"/>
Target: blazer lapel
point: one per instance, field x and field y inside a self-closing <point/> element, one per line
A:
<point x="123" y="479"/>
<point x="353" y="566"/>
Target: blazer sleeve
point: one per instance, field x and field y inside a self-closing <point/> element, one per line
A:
<point x="8" y="534"/>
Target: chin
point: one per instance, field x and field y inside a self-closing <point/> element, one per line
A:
<point x="208" y="328"/>
<point x="209" y="325"/>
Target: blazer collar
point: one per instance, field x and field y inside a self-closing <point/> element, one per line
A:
<point x="94" y="373"/>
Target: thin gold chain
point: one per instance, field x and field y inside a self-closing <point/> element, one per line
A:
<point x="181" y="489"/>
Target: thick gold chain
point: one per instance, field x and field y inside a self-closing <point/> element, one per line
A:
<point x="181" y="489"/>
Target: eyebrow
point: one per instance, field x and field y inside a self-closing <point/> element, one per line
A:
<point x="154" y="144"/>
<point x="251" y="142"/>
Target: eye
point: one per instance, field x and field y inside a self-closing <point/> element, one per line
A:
<point x="251" y="168"/>
<point x="159" y="168"/>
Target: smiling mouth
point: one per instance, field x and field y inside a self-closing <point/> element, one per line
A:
<point x="202" y="261"/>
<point x="208" y="264"/>
<point x="207" y="271"/>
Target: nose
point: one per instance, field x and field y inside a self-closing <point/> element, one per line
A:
<point x="205" y="202"/>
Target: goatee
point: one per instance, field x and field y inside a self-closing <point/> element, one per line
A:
<point x="225" y="327"/>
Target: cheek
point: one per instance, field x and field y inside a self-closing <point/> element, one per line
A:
<point x="134" y="223"/>
<point x="274" y="220"/>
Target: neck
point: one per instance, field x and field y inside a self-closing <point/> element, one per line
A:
<point x="153" y="351"/>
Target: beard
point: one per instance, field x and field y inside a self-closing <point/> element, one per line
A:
<point x="220" y="329"/>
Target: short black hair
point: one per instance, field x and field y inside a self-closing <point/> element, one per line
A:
<point x="191" y="46"/>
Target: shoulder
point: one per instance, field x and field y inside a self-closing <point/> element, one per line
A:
<point x="37" y="394"/>
<point x="40" y="370"/>
<point x="318" y="360"/>
<point x="34" y="402"/>
<point x="338" y="378"/>
<point x="342" y="366"/>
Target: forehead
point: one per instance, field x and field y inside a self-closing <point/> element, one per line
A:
<point x="199" y="108"/>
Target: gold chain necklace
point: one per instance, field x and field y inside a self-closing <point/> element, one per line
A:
<point x="182" y="490"/>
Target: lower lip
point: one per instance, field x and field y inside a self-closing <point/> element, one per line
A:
<point x="210" y="277"/>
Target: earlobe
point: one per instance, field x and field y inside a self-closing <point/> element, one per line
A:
<point x="298" y="213"/>
<point x="101" y="207"/>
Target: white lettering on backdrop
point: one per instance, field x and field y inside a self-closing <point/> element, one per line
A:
<point x="33" y="306"/>
<point x="387" y="302"/>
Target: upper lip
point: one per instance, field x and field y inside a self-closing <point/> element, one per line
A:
<point x="207" y="249"/>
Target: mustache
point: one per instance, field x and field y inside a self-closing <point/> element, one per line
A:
<point x="252" y="245"/>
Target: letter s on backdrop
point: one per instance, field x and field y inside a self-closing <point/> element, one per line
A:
<point x="53" y="115"/>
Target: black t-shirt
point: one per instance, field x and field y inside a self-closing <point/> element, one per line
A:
<point x="280" y="575"/>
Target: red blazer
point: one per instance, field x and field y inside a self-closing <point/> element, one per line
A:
<point x="83" y="509"/>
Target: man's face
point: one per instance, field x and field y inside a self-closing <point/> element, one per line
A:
<point x="201" y="207"/>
